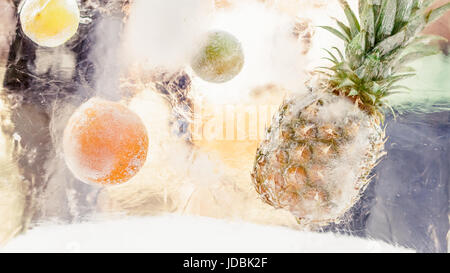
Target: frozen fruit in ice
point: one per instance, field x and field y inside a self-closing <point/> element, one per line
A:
<point x="340" y="123"/>
<point x="220" y="58"/>
<point x="105" y="142"/>
<point x="50" y="23"/>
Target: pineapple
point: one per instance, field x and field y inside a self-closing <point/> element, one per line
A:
<point x="318" y="153"/>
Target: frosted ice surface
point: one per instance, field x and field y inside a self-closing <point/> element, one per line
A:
<point x="186" y="234"/>
<point x="412" y="185"/>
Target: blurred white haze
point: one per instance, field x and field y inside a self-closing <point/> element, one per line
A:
<point x="167" y="33"/>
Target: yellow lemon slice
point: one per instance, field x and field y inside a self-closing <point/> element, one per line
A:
<point x="50" y="23"/>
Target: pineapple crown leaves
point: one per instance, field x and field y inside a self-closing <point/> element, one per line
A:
<point x="378" y="46"/>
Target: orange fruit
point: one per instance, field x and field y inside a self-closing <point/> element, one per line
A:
<point x="104" y="142"/>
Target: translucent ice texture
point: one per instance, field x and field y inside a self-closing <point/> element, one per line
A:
<point x="50" y="23"/>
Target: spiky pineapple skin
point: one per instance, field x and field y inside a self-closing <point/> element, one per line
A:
<point x="317" y="156"/>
